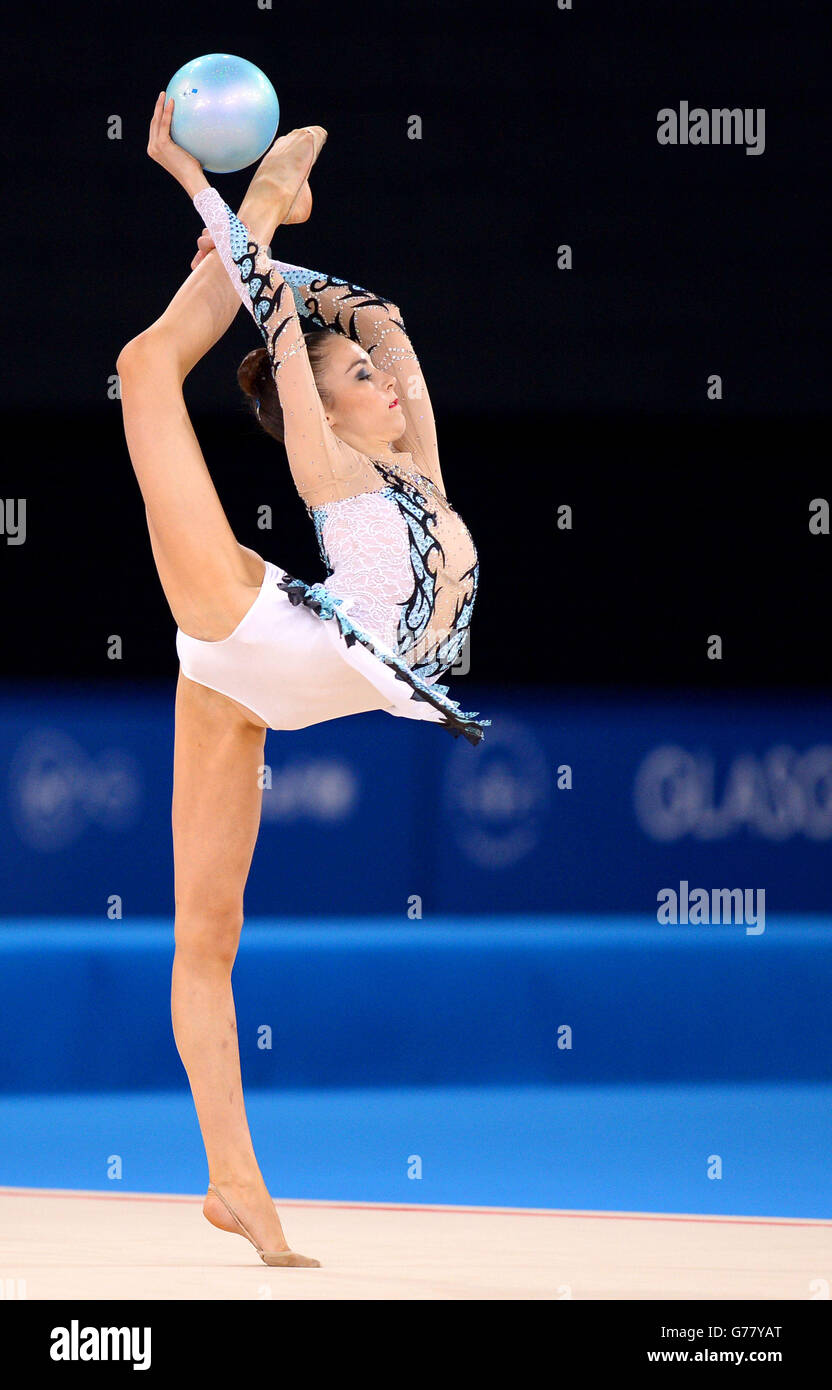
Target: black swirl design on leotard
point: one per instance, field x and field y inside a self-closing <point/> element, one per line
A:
<point x="418" y="611"/>
<point x="346" y="304"/>
<point x="265" y="300"/>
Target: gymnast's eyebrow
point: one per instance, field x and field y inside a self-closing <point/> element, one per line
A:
<point x="359" y="362"/>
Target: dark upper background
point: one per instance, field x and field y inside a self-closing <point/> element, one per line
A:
<point x="585" y="387"/>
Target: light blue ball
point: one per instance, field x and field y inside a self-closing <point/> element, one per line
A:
<point x="225" y="111"/>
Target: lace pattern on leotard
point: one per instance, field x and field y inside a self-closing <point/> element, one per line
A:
<point x="364" y="548"/>
<point x="382" y="548"/>
<point x="434" y="622"/>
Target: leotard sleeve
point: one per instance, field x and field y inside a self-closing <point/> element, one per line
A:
<point x="323" y="467"/>
<point x="377" y="325"/>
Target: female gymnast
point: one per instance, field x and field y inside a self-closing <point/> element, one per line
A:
<point x="258" y="648"/>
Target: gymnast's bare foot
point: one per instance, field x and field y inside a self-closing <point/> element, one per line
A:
<point x="255" y="1207"/>
<point x="273" y="191"/>
<point x="283" y="172"/>
<point x="301" y="208"/>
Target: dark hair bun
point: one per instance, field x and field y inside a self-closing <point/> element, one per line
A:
<point x="257" y="383"/>
<point x="253" y="372"/>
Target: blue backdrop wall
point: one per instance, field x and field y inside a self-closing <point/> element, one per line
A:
<point x="577" y="804"/>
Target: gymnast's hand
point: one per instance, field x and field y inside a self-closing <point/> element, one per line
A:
<point x="205" y="244"/>
<point x="183" y="166"/>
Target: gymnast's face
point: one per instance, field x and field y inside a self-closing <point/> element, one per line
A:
<point x="362" y="400"/>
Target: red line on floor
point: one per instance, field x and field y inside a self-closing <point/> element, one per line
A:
<point x="407" y="1206"/>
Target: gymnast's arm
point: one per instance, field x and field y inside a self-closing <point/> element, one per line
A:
<point x="323" y="467"/>
<point x="376" y="324"/>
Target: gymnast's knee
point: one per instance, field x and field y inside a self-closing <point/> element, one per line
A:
<point x="152" y="348"/>
<point x="208" y="931"/>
